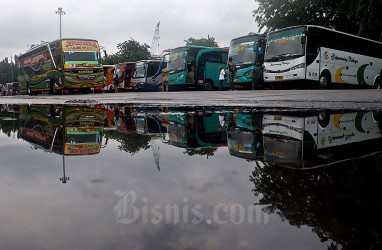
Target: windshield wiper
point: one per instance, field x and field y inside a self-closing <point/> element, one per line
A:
<point x="283" y="56"/>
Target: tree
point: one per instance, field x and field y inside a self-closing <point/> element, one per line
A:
<point x="129" y="51"/>
<point x="359" y="17"/>
<point x="203" y="151"/>
<point x="8" y="71"/>
<point x="131" y="143"/>
<point x="209" y="42"/>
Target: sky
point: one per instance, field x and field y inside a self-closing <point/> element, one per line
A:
<point x="27" y="22"/>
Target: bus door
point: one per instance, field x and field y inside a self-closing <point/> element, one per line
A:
<point x="151" y="69"/>
<point x="200" y="69"/>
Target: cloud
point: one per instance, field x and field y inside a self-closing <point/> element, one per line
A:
<point x="113" y="22"/>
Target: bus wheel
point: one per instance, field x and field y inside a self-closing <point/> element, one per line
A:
<point x="29" y="90"/>
<point x="378" y="83"/>
<point x="323" y="118"/>
<point x="164" y="87"/>
<point x="53" y="88"/>
<point x="324" y="81"/>
<point x="208" y="85"/>
<point x="160" y="87"/>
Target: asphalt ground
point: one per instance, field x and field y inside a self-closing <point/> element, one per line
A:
<point x="344" y="99"/>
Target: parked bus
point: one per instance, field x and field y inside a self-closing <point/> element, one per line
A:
<point x="12" y="88"/>
<point x="108" y="71"/>
<point x="298" y="140"/>
<point x="64" y="64"/>
<point x="63" y="130"/>
<point x="147" y="75"/>
<point x="125" y="72"/>
<point x="195" y="66"/>
<point x="247" y="52"/>
<point x="322" y="55"/>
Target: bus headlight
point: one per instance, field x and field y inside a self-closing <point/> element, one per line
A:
<point x="248" y="73"/>
<point x="179" y="77"/>
<point x="298" y="66"/>
<point x="70" y="79"/>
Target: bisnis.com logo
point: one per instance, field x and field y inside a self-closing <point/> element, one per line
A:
<point x="129" y="209"/>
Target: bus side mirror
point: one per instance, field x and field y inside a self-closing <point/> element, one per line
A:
<point x="303" y="40"/>
<point x="255" y="46"/>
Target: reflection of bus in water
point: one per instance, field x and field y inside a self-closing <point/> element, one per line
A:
<point x="196" y="129"/>
<point x="124" y="119"/>
<point x="313" y="139"/>
<point x="148" y="124"/>
<point x="244" y="135"/>
<point x="63" y="130"/>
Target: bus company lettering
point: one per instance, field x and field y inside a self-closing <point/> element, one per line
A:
<point x="345" y="137"/>
<point x="278" y="132"/>
<point x="344" y="59"/>
<point x="280" y="64"/>
<point x="34" y="59"/>
<point x="70" y="43"/>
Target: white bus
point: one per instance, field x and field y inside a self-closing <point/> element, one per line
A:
<point x="322" y="55"/>
<point x="290" y="139"/>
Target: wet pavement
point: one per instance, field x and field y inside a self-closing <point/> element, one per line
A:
<point x="133" y="176"/>
<point x="312" y="98"/>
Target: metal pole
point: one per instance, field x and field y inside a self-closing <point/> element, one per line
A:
<point x="60" y="13"/>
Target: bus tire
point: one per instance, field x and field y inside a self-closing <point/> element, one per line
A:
<point x="378" y="83"/>
<point x="160" y="87"/>
<point x="323" y="118"/>
<point x="208" y="85"/>
<point x="54" y="86"/>
<point x="377" y="116"/>
<point x="165" y="86"/>
<point x="324" y="81"/>
<point x="29" y="90"/>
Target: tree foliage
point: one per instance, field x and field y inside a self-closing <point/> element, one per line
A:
<point x="209" y="42"/>
<point x="131" y="143"/>
<point x="8" y="72"/>
<point x="130" y="50"/>
<point x="359" y="17"/>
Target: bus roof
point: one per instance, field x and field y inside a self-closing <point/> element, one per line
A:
<point x="324" y="28"/>
<point x="249" y="35"/>
<point x="200" y="47"/>
<point x="45" y="43"/>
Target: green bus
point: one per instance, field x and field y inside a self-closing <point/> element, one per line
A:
<point x="64" y="64"/>
<point x="247" y="52"/>
<point x="194" y="67"/>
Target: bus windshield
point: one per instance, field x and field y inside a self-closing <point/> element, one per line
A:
<point x="177" y="59"/>
<point x="282" y="150"/>
<point x="178" y="133"/>
<point x="119" y="69"/>
<point x="140" y="70"/>
<point x="82" y="56"/>
<point x="241" y="50"/>
<point x="83" y="137"/>
<point x="285" y="45"/>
